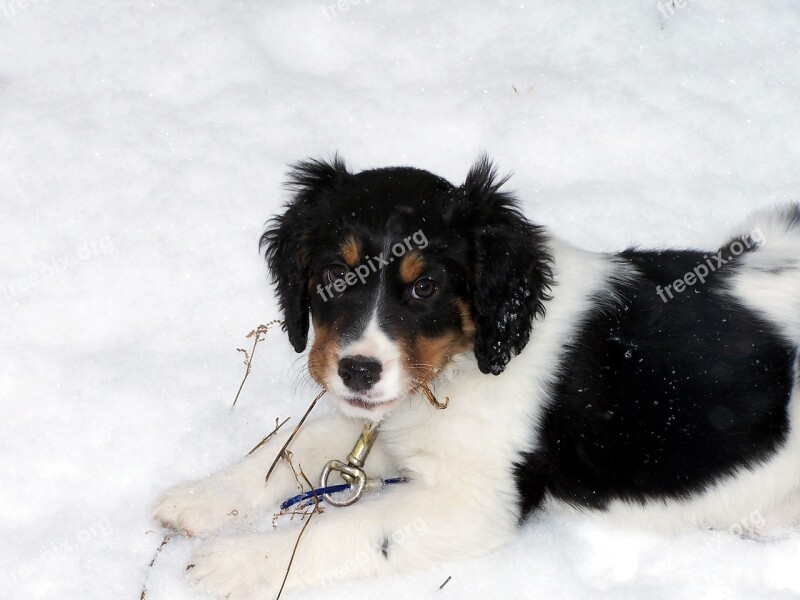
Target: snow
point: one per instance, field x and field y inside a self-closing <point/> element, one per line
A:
<point x="142" y="147"/>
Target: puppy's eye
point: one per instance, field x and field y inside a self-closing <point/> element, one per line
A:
<point x="423" y="288"/>
<point x="333" y="273"/>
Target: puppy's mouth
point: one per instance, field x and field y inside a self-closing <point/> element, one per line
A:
<point x="367" y="405"/>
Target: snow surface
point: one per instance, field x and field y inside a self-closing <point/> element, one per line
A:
<point x="142" y="147"/>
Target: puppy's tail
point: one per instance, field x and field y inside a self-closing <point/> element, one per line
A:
<point x="766" y="254"/>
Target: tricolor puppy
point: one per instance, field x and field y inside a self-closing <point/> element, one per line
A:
<point x="654" y="387"/>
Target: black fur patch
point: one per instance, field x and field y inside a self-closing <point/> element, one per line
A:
<point x="481" y="250"/>
<point x="511" y="272"/>
<point x="385" y="548"/>
<point x="660" y="399"/>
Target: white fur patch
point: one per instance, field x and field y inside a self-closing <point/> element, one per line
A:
<point x="468" y="451"/>
<point x="393" y="384"/>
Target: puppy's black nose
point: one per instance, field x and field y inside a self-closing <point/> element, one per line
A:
<point x="359" y="373"/>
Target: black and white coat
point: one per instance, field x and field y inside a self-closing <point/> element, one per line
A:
<point x="611" y="388"/>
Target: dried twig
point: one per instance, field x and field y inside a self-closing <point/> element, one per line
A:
<point x="163" y="543"/>
<point x="446" y="581"/>
<point x="294" y="551"/>
<point x="300" y="509"/>
<point x="257" y="334"/>
<point x="294" y="433"/>
<point x="426" y="391"/>
<point x="269" y="436"/>
<point x="287" y="456"/>
<point x="316" y="509"/>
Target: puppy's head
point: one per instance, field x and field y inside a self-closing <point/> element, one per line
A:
<point x="400" y="271"/>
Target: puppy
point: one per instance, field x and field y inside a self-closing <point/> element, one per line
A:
<point x="656" y="387"/>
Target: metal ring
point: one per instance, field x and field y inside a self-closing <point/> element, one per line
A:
<point x="358" y="476"/>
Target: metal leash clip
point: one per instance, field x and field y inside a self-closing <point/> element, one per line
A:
<point x="353" y="471"/>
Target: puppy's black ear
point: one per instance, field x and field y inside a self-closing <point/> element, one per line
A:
<point x="511" y="267"/>
<point x="288" y="239"/>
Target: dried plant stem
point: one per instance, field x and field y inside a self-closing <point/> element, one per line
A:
<point x="446" y="581"/>
<point x="163" y="543"/>
<point x="316" y="509"/>
<point x="292" y="436"/>
<point x="287" y="456"/>
<point x="426" y="391"/>
<point x="257" y="335"/>
<point x="311" y="487"/>
<point x="269" y="436"/>
<point x="294" y="551"/>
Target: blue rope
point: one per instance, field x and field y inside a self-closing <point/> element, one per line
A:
<point x="331" y="489"/>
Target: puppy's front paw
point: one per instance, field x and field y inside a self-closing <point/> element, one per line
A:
<point x="198" y="507"/>
<point x="240" y="567"/>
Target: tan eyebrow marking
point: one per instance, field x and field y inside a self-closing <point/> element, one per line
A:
<point x="351" y="251"/>
<point x="467" y="322"/>
<point x="411" y="267"/>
